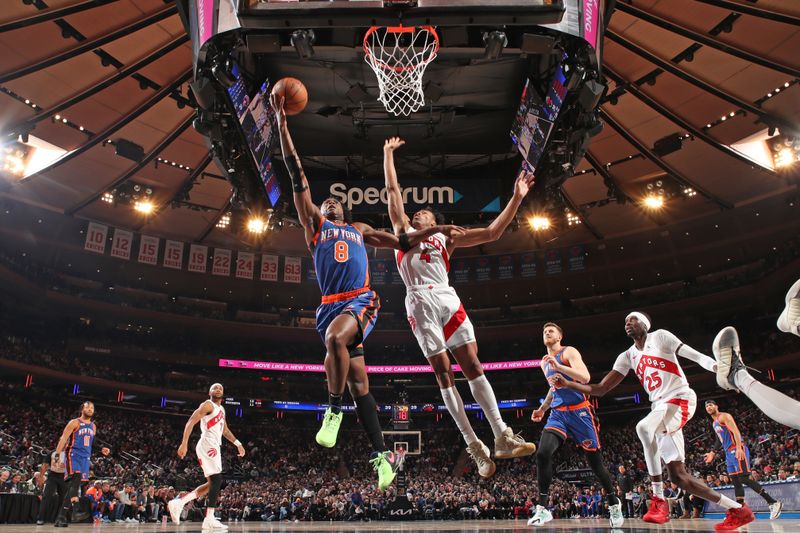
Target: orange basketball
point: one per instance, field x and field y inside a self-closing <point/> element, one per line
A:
<point x="295" y="95"/>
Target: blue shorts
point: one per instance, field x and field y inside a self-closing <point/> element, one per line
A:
<point x="579" y="424"/>
<point x="364" y="308"/>
<point x="77" y="464"/>
<point x="734" y="465"/>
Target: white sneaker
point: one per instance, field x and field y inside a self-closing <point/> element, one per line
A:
<point x="509" y="446"/>
<point x="210" y="523"/>
<point x="615" y="515"/>
<point x="479" y="453"/>
<point x="727" y="353"/>
<point x="175" y="508"/>
<point x="789" y="321"/>
<point x="775" y="510"/>
<point x="540" y="517"/>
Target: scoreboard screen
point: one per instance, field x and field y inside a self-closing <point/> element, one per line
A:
<point x="401" y="414"/>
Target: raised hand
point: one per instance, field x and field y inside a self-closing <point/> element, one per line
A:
<point x="276" y="101"/>
<point x="392" y="143"/>
<point x="524" y="183"/>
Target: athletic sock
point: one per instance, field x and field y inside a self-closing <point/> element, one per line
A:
<point x="774" y="404"/>
<point x="484" y="395"/>
<point x="658" y="489"/>
<point x="727" y="503"/>
<point x="455" y="406"/>
<point x="210" y="512"/>
<point x="335" y="402"/>
<point x="189" y="497"/>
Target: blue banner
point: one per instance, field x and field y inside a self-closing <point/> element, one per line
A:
<point x="460" y="269"/>
<point x="505" y="267"/>
<point x="483" y="269"/>
<point x="380" y="272"/>
<point x="527" y="265"/>
<point x="577" y="258"/>
<point x="552" y="262"/>
<point x="311" y="273"/>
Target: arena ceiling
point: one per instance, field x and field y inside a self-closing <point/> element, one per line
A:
<point x="712" y="73"/>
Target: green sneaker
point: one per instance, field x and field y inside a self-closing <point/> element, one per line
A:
<point x="326" y="436"/>
<point x="386" y="464"/>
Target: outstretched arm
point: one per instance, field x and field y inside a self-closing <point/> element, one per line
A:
<point x="608" y="383"/>
<point x="205" y="408"/>
<point x="397" y="213"/>
<point x="308" y="213"/>
<point x="684" y="350"/>
<point x="495" y="230"/>
<point x="404" y="241"/>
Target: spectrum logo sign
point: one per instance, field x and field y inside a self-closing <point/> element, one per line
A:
<point x="422" y="196"/>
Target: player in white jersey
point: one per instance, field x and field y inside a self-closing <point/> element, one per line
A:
<point x="653" y="358"/>
<point x="211" y="416"/>
<point x="437" y="316"/>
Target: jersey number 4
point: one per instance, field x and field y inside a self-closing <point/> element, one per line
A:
<point x="653" y="381"/>
<point x="424" y="256"/>
<point x="341" y="252"/>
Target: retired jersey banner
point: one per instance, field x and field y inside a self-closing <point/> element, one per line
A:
<point x="269" y="267"/>
<point x="527" y="265"/>
<point x="577" y="259"/>
<point x="460" y="269"/>
<point x="505" y="267"/>
<point x="198" y="258"/>
<point x="96" y="235"/>
<point x="244" y="265"/>
<point x="173" y="255"/>
<point x="394" y="274"/>
<point x="148" y="250"/>
<point x="291" y="269"/>
<point x="483" y="269"/>
<point x="379" y="271"/>
<point x="552" y="262"/>
<point x="222" y="262"/>
<point x="121" y="244"/>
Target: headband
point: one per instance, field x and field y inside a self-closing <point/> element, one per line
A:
<point x="640" y="316"/>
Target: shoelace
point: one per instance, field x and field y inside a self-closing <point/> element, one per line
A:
<point x="477" y="457"/>
<point x="329" y="418"/>
<point x="516" y="438"/>
<point x="376" y="463"/>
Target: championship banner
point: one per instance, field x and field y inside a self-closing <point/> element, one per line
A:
<point x="379" y="272"/>
<point x="527" y="265"/>
<point x="483" y="269"/>
<point x="96" y="235"/>
<point x="269" y="267"/>
<point x="121" y="244"/>
<point x="311" y="271"/>
<point x="198" y="258"/>
<point x="577" y="259"/>
<point x="244" y="265"/>
<point x="222" y="262"/>
<point x="291" y="269"/>
<point x="148" y="250"/>
<point x="173" y="255"/>
<point x="552" y="262"/>
<point x="460" y="270"/>
<point x="505" y="267"/>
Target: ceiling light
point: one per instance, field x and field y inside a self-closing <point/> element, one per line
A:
<point x="256" y="225"/>
<point x="538" y="222"/>
<point x="108" y="197"/>
<point x="653" y="201"/>
<point x="224" y="221"/>
<point x="145" y="207"/>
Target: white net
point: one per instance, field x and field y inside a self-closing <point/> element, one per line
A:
<point x="399" y="56"/>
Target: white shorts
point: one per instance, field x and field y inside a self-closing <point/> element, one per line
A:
<point x="438" y="319"/>
<point x="673" y="414"/>
<point x="209" y="457"/>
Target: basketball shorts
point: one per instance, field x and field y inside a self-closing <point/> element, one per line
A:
<point x="364" y="308"/>
<point x="438" y="319"/>
<point x="669" y="417"/>
<point x="78" y="464"/>
<point x="734" y="465"/>
<point x="209" y="457"/>
<point x="577" y="422"/>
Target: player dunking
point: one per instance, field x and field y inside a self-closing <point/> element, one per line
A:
<point x="211" y="416"/>
<point x="349" y="307"/>
<point x="572" y="417"/>
<point x="437" y="316"/>
<point x="75" y="451"/>
<point x="653" y="357"/>
<point x="737" y="458"/>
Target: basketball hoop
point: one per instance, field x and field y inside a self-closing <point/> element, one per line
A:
<point x="399" y="56"/>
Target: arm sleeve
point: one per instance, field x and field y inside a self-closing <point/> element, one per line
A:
<point x="622" y="365"/>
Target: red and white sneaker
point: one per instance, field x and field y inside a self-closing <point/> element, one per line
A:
<point x="658" y="512"/>
<point x="736" y="518"/>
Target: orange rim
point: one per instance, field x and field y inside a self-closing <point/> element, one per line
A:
<point x="401" y="29"/>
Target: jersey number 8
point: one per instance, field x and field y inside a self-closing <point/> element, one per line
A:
<point x="341" y="252"/>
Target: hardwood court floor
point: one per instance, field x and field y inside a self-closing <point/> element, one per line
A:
<point x="470" y="526"/>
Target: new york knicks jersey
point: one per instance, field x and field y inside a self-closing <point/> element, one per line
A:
<point x="562" y="397"/>
<point x="80" y="444"/>
<point x="211" y="427"/>
<point x="340" y="258"/>
<point x="426" y="263"/>
<point x="724" y="434"/>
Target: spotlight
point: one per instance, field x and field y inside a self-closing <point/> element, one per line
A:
<point x="539" y="222"/>
<point x="572" y="218"/>
<point x="688" y="191"/>
<point x="224" y="221"/>
<point x="108" y="197"/>
<point x="653" y="201"/>
<point x="145" y="207"/>
<point x="303" y="41"/>
<point x="256" y="225"/>
<point x="495" y="41"/>
<point x="13" y="162"/>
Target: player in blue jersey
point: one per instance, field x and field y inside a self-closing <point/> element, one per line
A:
<point x="349" y="306"/>
<point x="572" y="417"/>
<point x="737" y="458"/>
<point x="75" y="450"/>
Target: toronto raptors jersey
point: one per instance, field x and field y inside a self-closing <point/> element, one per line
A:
<point x="656" y="366"/>
<point x="211" y="427"/>
<point x="426" y="263"/>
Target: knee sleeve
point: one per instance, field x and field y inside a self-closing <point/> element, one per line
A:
<point x="215" y="484"/>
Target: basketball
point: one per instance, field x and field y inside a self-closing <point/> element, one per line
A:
<point x="294" y="93"/>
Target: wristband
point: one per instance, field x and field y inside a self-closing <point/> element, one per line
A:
<point x="237" y="443"/>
